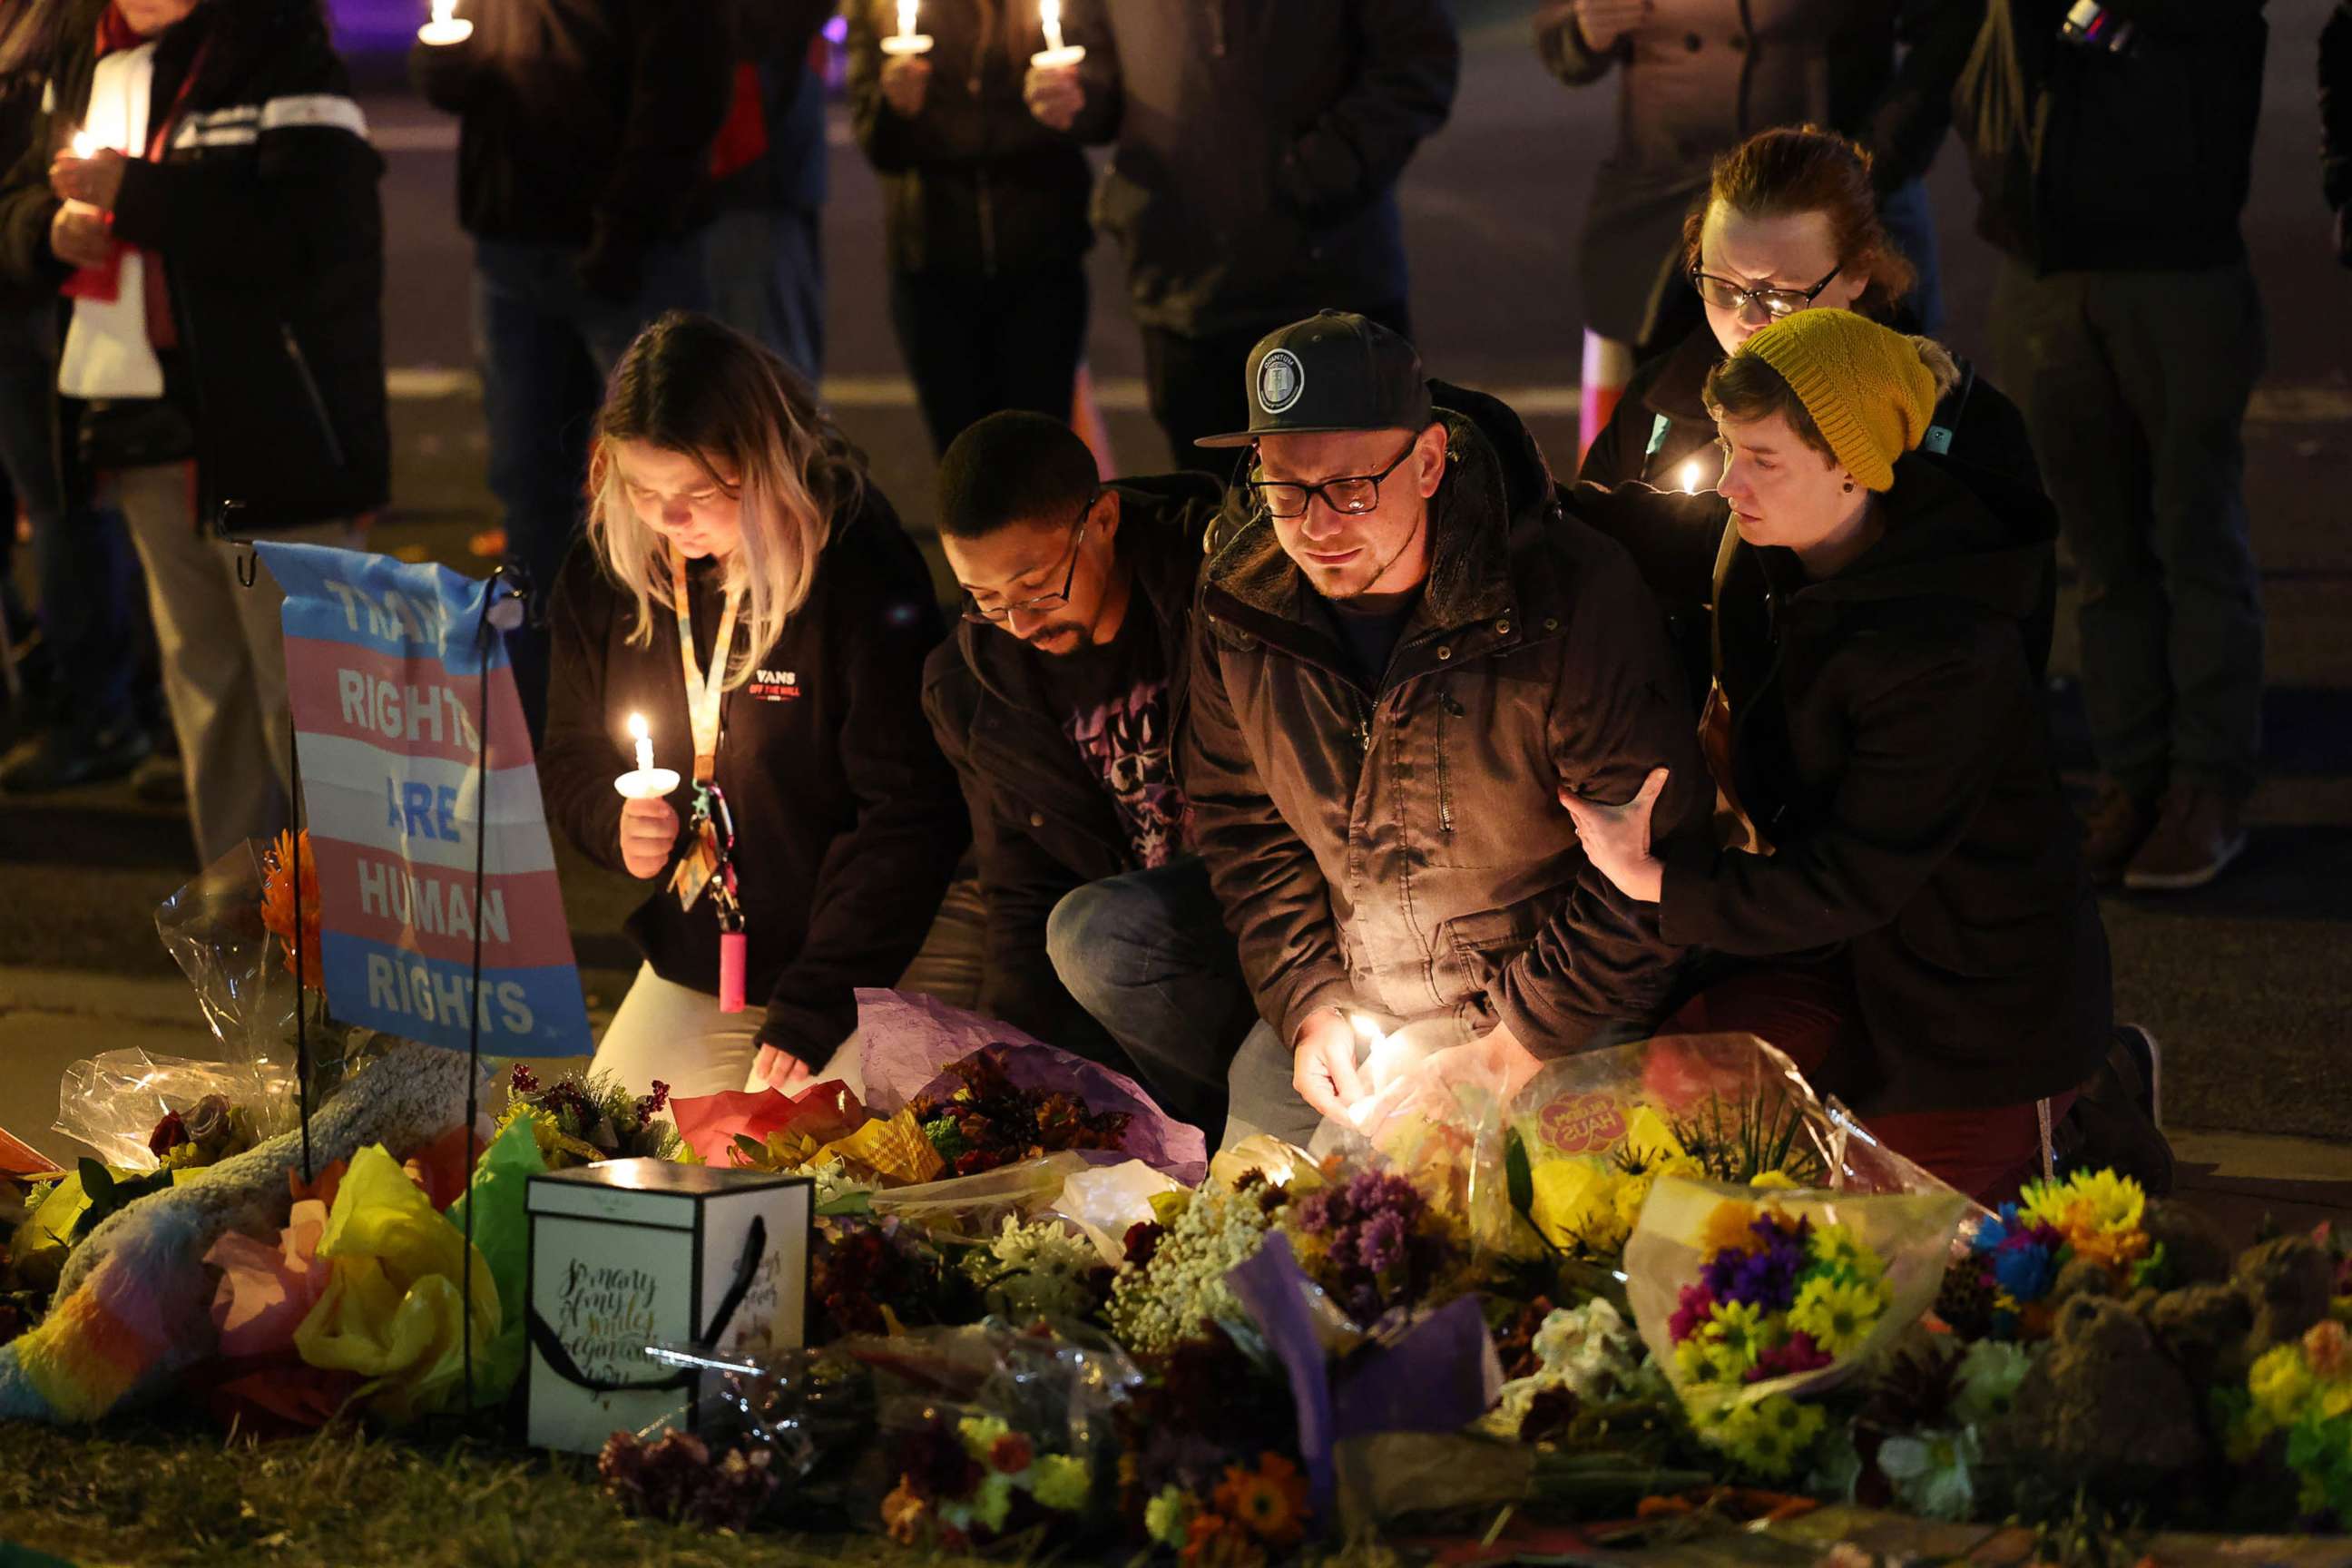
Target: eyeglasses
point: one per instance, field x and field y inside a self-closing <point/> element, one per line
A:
<point x="1724" y="295"/>
<point x="997" y="614"/>
<point x="1354" y="494"/>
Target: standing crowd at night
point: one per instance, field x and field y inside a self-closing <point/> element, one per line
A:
<point x="1367" y="718"/>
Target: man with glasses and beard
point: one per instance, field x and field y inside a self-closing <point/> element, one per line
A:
<point x="1402" y="651"/>
<point x="1058" y="701"/>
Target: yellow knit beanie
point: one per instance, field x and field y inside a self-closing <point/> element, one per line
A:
<point x="1864" y="385"/>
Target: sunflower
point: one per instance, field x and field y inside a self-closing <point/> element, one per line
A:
<point x="278" y="901"/>
<point x="1838" y="1313"/>
<point x="1271" y="1500"/>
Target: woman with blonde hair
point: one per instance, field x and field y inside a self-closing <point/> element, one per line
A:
<point x="746" y="592"/>
<point x="1896" y="898"/>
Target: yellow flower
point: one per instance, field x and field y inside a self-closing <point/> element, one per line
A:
<point x="1649" y="1142"/>
<point x="1630" y="1195"/>
<point x="1730" y="1228"/>
<point x="1773" y="1181"/>
<point x="1700" y="1360"/>
<point x="1575" y="1205"/>
<point x="1838" y="1247"/>
<point x="1059" y="1482"/>
<point x="2280" y="1384"/>
<point x="2108" y="1203"/>
<point x="1838" y="1313"/>
<point x="1734" y="1327"/>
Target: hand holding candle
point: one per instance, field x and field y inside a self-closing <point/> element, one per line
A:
<point x="1056" y="55"/>
<point x="906" y="40"/>
<point x="446" y="28"/>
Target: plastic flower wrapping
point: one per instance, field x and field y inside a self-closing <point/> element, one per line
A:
<point x="1750" y="1297"/>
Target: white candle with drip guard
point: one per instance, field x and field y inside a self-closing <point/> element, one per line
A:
<point x="906" y="40"/>
<point x="1055" y="54"/>
<point x="446" y="28"/>
<point x="645" y="782"/>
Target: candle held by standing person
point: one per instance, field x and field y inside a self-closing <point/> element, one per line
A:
<point x="1056" y="54"/>
<point x="906" y="40"/>
<point x="645" y="782"/>
<point x="446" y="28"/>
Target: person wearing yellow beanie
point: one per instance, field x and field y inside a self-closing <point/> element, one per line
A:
<point x="1895" y="897"/>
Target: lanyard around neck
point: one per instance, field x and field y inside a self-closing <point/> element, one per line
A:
<point x="703" y="691"/>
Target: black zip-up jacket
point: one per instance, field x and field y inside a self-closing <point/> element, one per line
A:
<point x="2335" y="108"/>
<point x="2138" y="161"/>
<point x="265" y="211"/>
<point x="1256" y="149"/>
<point x="1041" y="824"/>
<point x="974" y="185"/>
<point x="1980" y="427"/>
<point x="1888" y="738"/>
<point x="1404" y="848"/>
<point x="584" y="122"/>
<point x="847" y="822"/>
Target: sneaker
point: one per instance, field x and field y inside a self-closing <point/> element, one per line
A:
<point x="160" y="780"/>
<point x="54" y="763"/>
<point x="2113" y="830"/>
<point x="2111" y="1125"/>
<point x="2198" y="834"/>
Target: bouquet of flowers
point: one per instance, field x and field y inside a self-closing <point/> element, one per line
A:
<point x="2092" y="1223"/>
<point x="878" y="1275"/>
<point x="1376" y="1245"/>
<point x="582" y="1120"/>
<point x="1591" y="1135"/>
<point x="206" y="1134"/>
<point x="986" y="1120"/>
<point x="1750" y="1297"/>
<point x="971" y="1481"/>
<point x="1172" y="1288"/>
<point x="1038" y="1269"/>
<point x="1253" y="1510"/>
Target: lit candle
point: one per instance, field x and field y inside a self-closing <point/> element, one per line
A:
<point x="1693" y="471"/>
<point x="906" y="40"/>
<point x="447" y="27"/>
<point x="1055" y="54"/>
<point x="645" y="782"/>
<point x="85" y="145"/>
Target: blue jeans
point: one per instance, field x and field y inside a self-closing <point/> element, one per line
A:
<point x="1149" y="956"/>
<point x="767" y="281"/>
<point x="82" y="562"/>
<point x="546" y="345"/>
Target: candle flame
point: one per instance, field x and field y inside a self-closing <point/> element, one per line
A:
<point x="905" y="17"/>
<point x="637" y="731"/>
<point x="444" y="10"/>
<point x="1049" y="15"/>
<point x="84" y="145"/>
<point x="1692" y="473"/>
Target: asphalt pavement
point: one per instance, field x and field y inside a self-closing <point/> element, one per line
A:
<point x="2248" y="985"/>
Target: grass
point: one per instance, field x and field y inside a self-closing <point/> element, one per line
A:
<point x="166" y="1494"/>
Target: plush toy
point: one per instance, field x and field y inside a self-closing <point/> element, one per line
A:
<point x="130" y="1303"/>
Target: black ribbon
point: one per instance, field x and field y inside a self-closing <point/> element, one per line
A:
<point x="551" y="1349"/>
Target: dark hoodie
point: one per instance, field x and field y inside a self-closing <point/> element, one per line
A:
<point x="1400" y="845"/>
<point x="1042" y="823"/>
<point x="1888" y="738"/>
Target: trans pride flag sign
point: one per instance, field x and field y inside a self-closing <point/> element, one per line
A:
<point x="385" y="672"/>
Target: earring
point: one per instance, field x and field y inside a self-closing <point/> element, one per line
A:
<point x="1849" y="487"/>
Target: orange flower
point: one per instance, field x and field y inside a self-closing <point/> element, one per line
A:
<point x="278" y="904"/>
<point x="1270" y="1500"/>
<point x="2328" y="1349"/>
<point x="1730" y="1228"/>
<point x="1212" y="1541"/>
<point x="902" y="1514"/>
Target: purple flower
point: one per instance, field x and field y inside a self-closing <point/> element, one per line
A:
<point x="1380" y="1243"/>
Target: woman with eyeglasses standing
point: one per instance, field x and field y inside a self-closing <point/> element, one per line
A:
<point x="1791" y="222"/>
<point x="747" y="593"/>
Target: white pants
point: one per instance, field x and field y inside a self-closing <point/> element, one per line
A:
<point x="677" y="1035"/>
<point x="223" y="655"/>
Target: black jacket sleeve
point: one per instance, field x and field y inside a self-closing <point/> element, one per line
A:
<point x="680" y="87"/>
<point x="1928" y="727"/>
<point x="1409" y="64"/>
<point x="880" y="884"/>
<point x="1909" y="121"/>
<point x="1086" y="23"/>
<point x="1019" y="882"/>
<point x="1274" y="899"/>
<point x="27" y="208"/>
<point x="580" y="756"/>
<point x="1618" y="711"/>
<point x="1672" y="536"/>
<point x="311" y="187"/>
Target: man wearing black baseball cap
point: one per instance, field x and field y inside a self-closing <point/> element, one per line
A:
<point x="1404" y="649"/>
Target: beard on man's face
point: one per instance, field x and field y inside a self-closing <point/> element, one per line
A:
<point x="1058" y="638"/>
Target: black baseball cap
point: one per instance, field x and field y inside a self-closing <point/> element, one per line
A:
<point x="1334" y="370"/>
